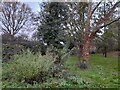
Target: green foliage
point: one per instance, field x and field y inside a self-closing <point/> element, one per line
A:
<point x="27" y="66"/>
<point x="70" y="82"/>
<point x="52" y="17"/>
<point x="9" y="50"/>
<point x="108" y="41"/>
<point x="15" y="84"/>
<point x="76" y="80"/>
<point x="102" y="72"/>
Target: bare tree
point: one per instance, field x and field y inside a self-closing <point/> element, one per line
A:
<point x="14" y="16"/>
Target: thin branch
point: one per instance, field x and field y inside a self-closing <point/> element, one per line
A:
<point x="109" y="23"/>
<point x="107" y="15"/>
<point x="96" y="7"/>
<point x="98" y="28"/>
<point x="14" y="16"/>
<point x="4" y="30"/>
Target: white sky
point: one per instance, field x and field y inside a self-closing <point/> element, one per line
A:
<point x="34" y="6"/>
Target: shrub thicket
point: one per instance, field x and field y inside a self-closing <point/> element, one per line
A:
<point x="28" y="67"/>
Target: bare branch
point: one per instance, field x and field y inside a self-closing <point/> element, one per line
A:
<point x="107" y="15"/>
<point x="109" y="23"/>
<point x="88" y="18"/>
<point x="93" y="34"/>
<point x="96" y="7"/>
<point x="14" y="16"/>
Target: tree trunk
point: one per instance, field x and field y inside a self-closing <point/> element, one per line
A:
<point x="85" y="53"/>
<point x="88" y="36"/>
<point x="105" y="51"/>
<point x="79" y="55"/>
<point x="78" y="59"/>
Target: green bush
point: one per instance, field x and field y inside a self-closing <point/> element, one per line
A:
<point x="27" y="67"/>
<point x="8" y="51"/>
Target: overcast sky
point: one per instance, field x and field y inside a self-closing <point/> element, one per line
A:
<point x="34" y="6"/>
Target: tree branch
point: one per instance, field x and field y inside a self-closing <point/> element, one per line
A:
<point x="109" y="23"/>
<point x="14" y="16"/>
<point x="88" y="18"/>
<point x="96" y="7"/>
<point x="93" y="34"/>
<point x="107" y="15"/>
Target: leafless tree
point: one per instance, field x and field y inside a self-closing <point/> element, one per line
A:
<point x="13" y="17"/>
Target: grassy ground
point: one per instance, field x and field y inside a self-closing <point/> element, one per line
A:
<point x="102" y="72"/>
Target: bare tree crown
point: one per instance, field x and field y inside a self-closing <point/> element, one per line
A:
<point x="14" y="16"/>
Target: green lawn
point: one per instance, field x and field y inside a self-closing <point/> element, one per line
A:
<point x="102" y="72"/>
<point x="0" y="74"/>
